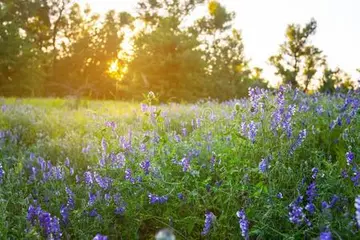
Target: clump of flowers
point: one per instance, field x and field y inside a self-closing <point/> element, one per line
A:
<point x="154" y="199"/>
<point x="349" y="157"/>
<point x="244" y="223"/>
<point x="300" y="139"/>
<point x="88" y="177"/>
<point x="209" y="221"/>
<point x="326" y="235"/>
<point x="296" y="214"/>
<point x="357" y="209"/>
<point x="252" y="130"/>
<point x="128" y="175"/>
<point x="145" y="165"/>
<point x="49" y="225"/>
<point x="2" y="173"/>
<point x="264" y="164"/>
<point x="185" y="163"/>
<point x="100" y="237"/>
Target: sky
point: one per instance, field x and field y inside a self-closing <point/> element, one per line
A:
<point x="263" y="24"/>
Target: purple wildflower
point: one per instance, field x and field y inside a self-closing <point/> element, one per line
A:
<point x="252" y="131"/>
<point x="185" y="162"/>
<point x="180" y="196"/>
<point x="49" y="165"/>
<point x="86" y="149"/>
<point x="209" y="220"/>
<point x="67" y="162"/>
<point x="144" y="107"/>
<point x="32" y="214"/>
<point x="356" y="178"/>
<point x="104" y="145"/>
<point x="310" y="207"/>
<point x="120" y="210"/>
<point x="344" y="173"/>
<point x="154" y="199"/>
<point x="279" y="195"/>
<point x="77" y="178"/>
<point x="100" y="237"/>
<point x="126" y="144"/>
<point x="111" y="124"/>
<point x="45" y="221"/>
<point x="145" y="165"/>
<point x="32" y="177"/>
<point x="107" y="197"/>
<point x="69" y="192"/>
<point x="117" y="198"/>
<point x="334" y="200"/>
<point x="212" y="162"/>
<point x="325" y="235"/>
<point x="94" y="213"/>
<point x="243" y="128"/>
<point x="128" y="175"/>
<point x="118" y="160"/>
<point x="142" y="147"/>
<point x="58" y="173"/>
<point x="88" y="178"/>
<point x="244" y="223"/>
<point x="55" y="228"/>
<point x="299" y="141"/>
<point x="92" y="199"/>
<point x="314" y="171"/>
<point x="184" y="132"/>
<point x="103" y="182"/>
<point x="42" y="164"/>
<point x="311" y="192"/>
<point x="349" y="157"/>
<point x="177" y="138"/>
<point x="357" y="208"/>
<point x="2" y="173"/>
<point x="324" y="205"/>
<point x="163" y="199"/>
<point x="64" y="212"/>
<point x="296" y="214"/>
<point x="263" y="165"/>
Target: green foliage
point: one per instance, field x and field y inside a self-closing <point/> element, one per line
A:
<point x="167" y="62"/>
<point x="223" y="176"/>
<point x="59" y="48"/>
<point x="298" y="61"/>
<point x="335" y="79"/>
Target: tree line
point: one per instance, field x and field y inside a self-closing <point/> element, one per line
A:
<point x="56" y="48"/>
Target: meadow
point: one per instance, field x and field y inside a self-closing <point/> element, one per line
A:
<point x="277" y="165"/>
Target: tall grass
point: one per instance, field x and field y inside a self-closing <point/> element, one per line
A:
<point x="127" y="170"/>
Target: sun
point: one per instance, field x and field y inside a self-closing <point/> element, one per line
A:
<point x="117" y="70"/>
<point x="114" y="67"/>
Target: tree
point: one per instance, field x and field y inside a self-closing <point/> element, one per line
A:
<point x="298" y="61"/>
<point x="167" y="61"/>
<point x="182" y="59"/>
<point x="227" y="66"/>
<point x="23" y="35"/>
<point x="57" y="48"/>
<point x="330" y="80"/>
<point x="88" y="49"/>
<point x="335" y="79"/>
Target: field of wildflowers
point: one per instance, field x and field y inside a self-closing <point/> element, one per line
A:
<point x="279" y="165"/>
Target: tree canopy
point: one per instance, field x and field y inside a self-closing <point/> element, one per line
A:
<point x="59" y="48"/>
